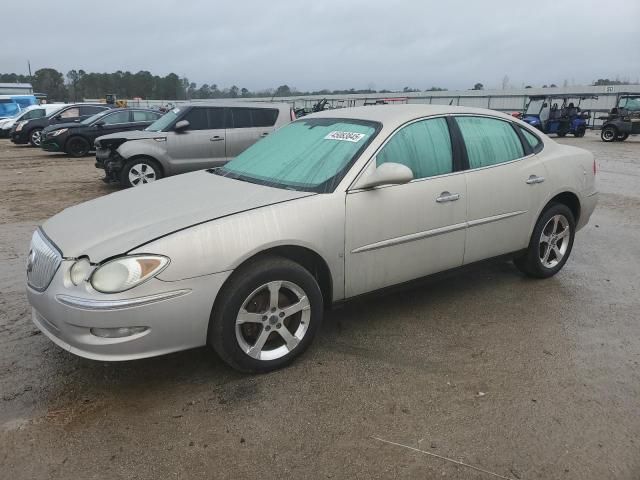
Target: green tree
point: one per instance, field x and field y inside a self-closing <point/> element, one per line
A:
<point x="50" y="82"/>
<point x="478" y="86"/>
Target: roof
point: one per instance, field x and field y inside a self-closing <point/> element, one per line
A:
<point x="15" y="85"/>
<point x="395" y="115"/>
<point x="237" y="103"/>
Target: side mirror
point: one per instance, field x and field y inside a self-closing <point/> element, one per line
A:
<point x="99" y="123"/>
<point x="181" y="126"/>
<point x="386" y="174"/>
<point x="57" y="117"/>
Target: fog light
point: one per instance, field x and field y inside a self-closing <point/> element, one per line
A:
<point x="117" y="332"/>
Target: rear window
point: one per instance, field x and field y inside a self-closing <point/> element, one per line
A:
<point x="253" y="117"/>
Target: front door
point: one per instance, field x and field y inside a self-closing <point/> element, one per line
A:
<point x="397" y="233"/>
<point x="202" y="144"/>
<point x="505" y="187"/>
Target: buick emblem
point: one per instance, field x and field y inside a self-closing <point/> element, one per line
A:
<point x="30" y="260"/>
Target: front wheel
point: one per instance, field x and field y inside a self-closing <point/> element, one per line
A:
<point x="609" y="134"/>
<point x="266" y="315"/>
<point x="550" y="244"/>
<point x="622" y="137"/>
<point x="35" y="137"/>
<point x="77" y="147"/>
<point x="580" y="132"/>
<point x="140" y="171"/>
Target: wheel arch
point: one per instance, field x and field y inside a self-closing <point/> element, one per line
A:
<point x="567" y="198"/>
<point x="142" y="156"/>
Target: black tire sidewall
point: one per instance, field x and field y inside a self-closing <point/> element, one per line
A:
<point x="534" y="264"/>
<point x="77" y="139"/>
<point x="124" y="174"/>
<point x="609" y="128"/>
<point x="222" y="333"/>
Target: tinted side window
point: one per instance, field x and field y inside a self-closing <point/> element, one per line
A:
<point x="118" y="117"/>
<point x="139" y="116"/>
<point x="424" y="147"/>
<point x="216" y="118"/>
<point x="37" y="113"/>
<point x="532" y="140"/>
<point x="241" y="117"/>
<point x="70" y="113"/>
<point x="91" y="110"/>
<point x="197" y="118"/>
<point x="489" y="141"/>
<point x="264" y="117"/>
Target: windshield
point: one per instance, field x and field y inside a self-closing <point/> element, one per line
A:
<point x="534" y="107"/>
<point x="310" y="155"/>
<point x="164" y="121"/>
<point x="93" y="118"/>
<point x="630" y="103"/>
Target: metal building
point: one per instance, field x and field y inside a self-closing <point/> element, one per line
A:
<point x="16" y="89"/>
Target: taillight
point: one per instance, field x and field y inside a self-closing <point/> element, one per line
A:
<point x="594" y="167"/>
<point x="293" y="114"/>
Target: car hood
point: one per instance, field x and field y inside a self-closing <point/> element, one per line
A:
<point x="119" y="222"/>
<point x="134" y="135"/>
<point x="58" y="126"/>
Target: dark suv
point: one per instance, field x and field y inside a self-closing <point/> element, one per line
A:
<point x="76" y="138"/>
<point x="31" y="131"/>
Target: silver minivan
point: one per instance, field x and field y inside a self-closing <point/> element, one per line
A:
<point x="187" y="138"/>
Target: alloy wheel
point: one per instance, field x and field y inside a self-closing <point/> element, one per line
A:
<point x="554" y="241"/>
<point x="273" y="320"/>
<point x="141" y="173"/>
<point x="36" y="137"/>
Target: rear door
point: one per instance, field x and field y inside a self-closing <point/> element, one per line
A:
<point x="202" y="144"/>
<point x="117" y="121"/>
<point x="248" y="125"/>
<point x="505" y="186"/>
<point x="141" y="119"/>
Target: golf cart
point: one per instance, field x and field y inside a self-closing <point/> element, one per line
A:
<point x="623" y="119"/>
<point x="559" y="114"/>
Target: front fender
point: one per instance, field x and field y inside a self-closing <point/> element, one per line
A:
<point x="146" y="147"/>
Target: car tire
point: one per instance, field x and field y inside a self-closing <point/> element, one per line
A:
<point x="77" y="147"/>
<point x="561" y="133"/>
<point x="140" y="171"/>
<point x="551" y="243"/>
<point x="249" y="319"/>
<point x="609" y="133"/>
<point x="622" y="137"/>
<point x="35" y="137"/>
<point x="580" y="132"/>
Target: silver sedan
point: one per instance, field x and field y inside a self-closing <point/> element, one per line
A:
<point x="247" y="257"/>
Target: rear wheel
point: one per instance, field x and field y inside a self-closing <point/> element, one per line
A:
<point x="140" y="171"/>
<point x="77" y="147"/>
<point x="35" y="137"/>
<point x="266" y="315"/>
<point x="550" y="244"/>
<point x="609" y="133"/>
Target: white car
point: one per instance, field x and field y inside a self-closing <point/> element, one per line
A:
<point x="29" y="113"/>
<point x="245" y="257"/>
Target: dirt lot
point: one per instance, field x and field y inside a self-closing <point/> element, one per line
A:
<point x="526" y="379"/>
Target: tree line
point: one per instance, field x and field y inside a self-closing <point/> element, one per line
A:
<point x="77" y="85"/>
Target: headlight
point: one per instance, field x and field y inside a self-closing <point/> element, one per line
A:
<point x="80" y="271"/>
<point x="20" y="125"/>
<point x="126" y="272"/>
<point x="55" y="133"/>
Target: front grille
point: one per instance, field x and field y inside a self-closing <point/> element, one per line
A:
<point x="42" y="263"/>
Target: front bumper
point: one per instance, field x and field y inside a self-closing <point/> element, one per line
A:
<point x="19" y="138"/>
<point x="52" y="144"/>
<point x="111" y="162"/>
<point x="176" y="315"/>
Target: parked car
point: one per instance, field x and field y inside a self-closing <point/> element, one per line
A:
<point x="76" y="138"/>
<point x="245" y="257"/>
<point x="29" y="113"/>
<point x="187" y="138"/>
<point x="30" y="131"/>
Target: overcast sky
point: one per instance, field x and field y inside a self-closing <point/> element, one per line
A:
<point x="330" y="44"/>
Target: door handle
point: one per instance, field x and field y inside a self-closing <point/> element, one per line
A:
<point x="448" y="197"/>
<point x="216" y="139"/>
<point x="534" y="179"/>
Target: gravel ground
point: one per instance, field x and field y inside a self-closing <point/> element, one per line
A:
<point x="520" y="378"/>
